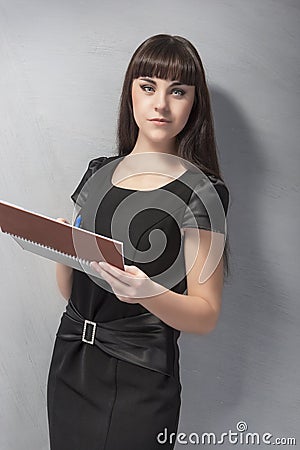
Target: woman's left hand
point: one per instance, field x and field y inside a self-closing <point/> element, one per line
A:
<point x="131" y="285"/>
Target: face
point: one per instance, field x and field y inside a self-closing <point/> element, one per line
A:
<point x="163" y="99"/>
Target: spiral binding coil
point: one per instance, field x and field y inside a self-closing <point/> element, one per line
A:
<point x="75" y="258"/>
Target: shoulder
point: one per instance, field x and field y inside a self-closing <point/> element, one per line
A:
<point x="96" y="163"/>
<point x="208" y="188"/>
<point x="222" y="190"/>
<point x="80" y="193"/>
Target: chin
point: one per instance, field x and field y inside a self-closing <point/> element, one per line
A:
<point x="159" y="140"/>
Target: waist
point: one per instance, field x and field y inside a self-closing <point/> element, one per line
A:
<point x="143" y="340"/>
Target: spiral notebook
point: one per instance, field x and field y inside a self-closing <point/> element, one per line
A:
<point x="60" y="242"/>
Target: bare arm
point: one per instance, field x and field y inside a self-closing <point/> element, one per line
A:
<point x="198" y="311"/>
<point x="64" y="278"/>
<point x="64" y="275"/>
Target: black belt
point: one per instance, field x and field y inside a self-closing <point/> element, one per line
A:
<point x="143" y="339"/>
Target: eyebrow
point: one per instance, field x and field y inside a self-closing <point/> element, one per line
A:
<point x="175" y="83"/>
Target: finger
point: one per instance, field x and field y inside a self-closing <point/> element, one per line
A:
<point x="124" y="277"/>
<point x="127" y="299"/>
<point x="115" y="282"/>
<point x="117" y="286"/>
<point x="132" y="269"/>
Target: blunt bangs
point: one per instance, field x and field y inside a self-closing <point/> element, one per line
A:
<point x="166" y="62"/>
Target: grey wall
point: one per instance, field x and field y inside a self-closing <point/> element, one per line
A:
<point x="62" y="65"/>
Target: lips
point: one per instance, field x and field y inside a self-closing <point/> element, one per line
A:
<point x="157" y="119"/>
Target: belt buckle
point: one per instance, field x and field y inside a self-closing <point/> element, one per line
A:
<point x="84" y="339"/>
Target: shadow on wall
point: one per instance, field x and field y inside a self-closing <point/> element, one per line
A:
<point x="218" y="369"/>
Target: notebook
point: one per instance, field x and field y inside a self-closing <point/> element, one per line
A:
<point x="60" y="242"/>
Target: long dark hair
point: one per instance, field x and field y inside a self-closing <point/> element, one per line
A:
<point x="173" y="57"/>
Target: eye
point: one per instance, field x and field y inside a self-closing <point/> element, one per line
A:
<point x="181" y="92"/>
<point x="144" y="87"/>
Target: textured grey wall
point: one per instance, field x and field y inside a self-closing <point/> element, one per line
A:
<point x="62" y="65"/>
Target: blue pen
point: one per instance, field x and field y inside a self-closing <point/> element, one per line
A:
<point x="77" y="222"/>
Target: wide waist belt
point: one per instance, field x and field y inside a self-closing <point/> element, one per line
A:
<point x="143" y="339"/>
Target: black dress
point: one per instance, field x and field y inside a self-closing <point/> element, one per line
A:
<point x="125" y="391"/>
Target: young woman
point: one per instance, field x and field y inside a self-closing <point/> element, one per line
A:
<point x="114" y="382"/>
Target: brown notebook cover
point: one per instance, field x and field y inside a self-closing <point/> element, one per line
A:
<point x="60" y="242"/>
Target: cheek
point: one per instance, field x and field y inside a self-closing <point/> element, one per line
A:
<point x="137" y="105"/>
<point x="134" y="101"/>
<point x="185" y="113"/>
<point x="187" y="108"/>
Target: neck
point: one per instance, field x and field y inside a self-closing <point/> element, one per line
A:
<point x="143" y="145"/>
<point x="152" y="161"/>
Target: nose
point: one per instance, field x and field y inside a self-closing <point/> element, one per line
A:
<point x="160" y="101"/>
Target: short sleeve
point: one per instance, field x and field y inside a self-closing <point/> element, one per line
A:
<point x="79" y="196"/>
<point x="208" y="205"/>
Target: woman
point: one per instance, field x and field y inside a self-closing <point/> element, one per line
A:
<point x="114" y="381"/>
